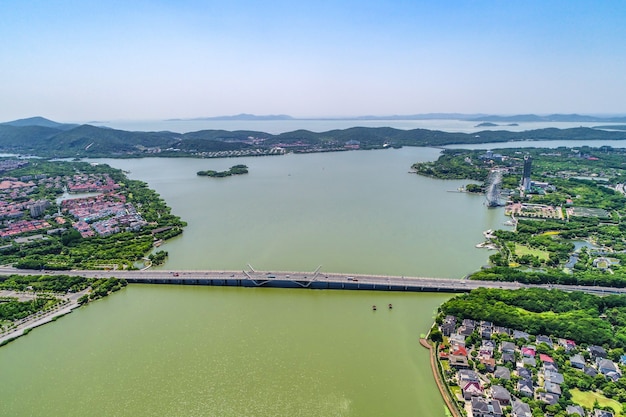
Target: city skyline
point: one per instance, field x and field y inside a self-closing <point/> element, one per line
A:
<point x="158" y="60"/>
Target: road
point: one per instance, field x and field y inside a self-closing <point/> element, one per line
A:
<point x="314" y="279"/>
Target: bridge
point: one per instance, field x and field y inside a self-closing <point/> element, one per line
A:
<point x="312" y="280"/>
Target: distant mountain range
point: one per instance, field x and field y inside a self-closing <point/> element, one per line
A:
<point x="46" y="138"/>
<point x="39" y="121"/>
<point x="242" y="116"/>
<point x="571" y="118"/>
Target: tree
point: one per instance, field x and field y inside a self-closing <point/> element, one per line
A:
<point x="435" y="335"/>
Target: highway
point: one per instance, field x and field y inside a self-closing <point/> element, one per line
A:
<point x="315" y="280"/>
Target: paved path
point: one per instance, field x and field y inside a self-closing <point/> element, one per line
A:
<point x="68" y="304"/>
<point x="436" y="375"/>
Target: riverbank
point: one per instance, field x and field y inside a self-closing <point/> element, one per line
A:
<point x="41" y="318"/>
<point x="441" y="385"/>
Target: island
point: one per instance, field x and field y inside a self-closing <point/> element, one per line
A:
<point x="234" y="170"/>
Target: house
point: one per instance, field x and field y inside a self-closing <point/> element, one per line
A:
<point x="501" y="394"/>
<point x="590" y="371"/>
<point x="577" y="361"/>
<point x="486" y="328"/>
<point x="466" y="330"/>
<point x="457" y="339"/>
<point x="485" y="351"/>
<point x="524" y="373"/>
<point x="525" y="387"/>
<point x="575" y="410"/>
<point x="467" y="375"/>
<point x="507" y="347"/>
<point x="548" y="398"/>
<point x="545" y="358"/>
<point x="606" y="366"/>
<point x="508" y="358"/>
<point x="544" y="339"/>
<point x="458" y="361"/>
<point x="596" y="352"/>
<point x="530" y="362"/>
<point x="553" y="377"/>
<point x="567" y="344"/>
<point x="468" y="323"/>
<point x="489" y="344"/>
<point x="501" y="330"/>
<point x="528" y="351"/>
<point x="552" y="388"/>
<point x="469" y="383"/>
<point x="502" y="372"/>
<point x="448" y="328"/>
<point x="490" y="364"/>
<point x="485" y="408"/>
<point x="550" y="367"/>
<point x="518" y="334"/>
<point x="471" y="389"/>
<point x="459" y="351"/>
<point x="467" y="327"/>
<point x="520" y="409"/>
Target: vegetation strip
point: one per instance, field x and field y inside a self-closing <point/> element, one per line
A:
<point x="443" y="389"/>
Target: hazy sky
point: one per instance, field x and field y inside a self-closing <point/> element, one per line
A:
<point x="81" y="60"/>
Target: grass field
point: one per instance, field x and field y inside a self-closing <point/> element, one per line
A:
<point x="588" y="398"/>
<point x="552" y="233"/>
<point x="521" y="250"/>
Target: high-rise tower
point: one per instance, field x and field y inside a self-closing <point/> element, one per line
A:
<point x="525" y="183"/>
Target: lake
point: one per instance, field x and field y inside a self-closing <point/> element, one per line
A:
<point x="208" y="351"/>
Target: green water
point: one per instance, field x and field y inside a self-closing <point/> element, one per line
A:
<point x="205" y="351"/>
<point x="352" y="212"/>
<point x="200" y="351"/>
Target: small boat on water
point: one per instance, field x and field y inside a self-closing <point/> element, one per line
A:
<point x="390" y="306"/>
<point x="374" y="307"/>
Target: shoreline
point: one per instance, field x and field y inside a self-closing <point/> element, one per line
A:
<point x="441" y="385"/>
<point x="25" y="328"/>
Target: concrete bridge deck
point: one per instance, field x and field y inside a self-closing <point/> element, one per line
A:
<point x="313" y="280"/>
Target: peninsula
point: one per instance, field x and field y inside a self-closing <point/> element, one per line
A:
<point x="568" y="213"/>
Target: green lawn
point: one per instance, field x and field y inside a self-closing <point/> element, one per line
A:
<point x="521" y="250"/>
<point x="588" y="398"/>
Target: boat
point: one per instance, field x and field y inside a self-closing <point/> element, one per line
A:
<point x="390" y="306"/>
<point x="374" y="307"/>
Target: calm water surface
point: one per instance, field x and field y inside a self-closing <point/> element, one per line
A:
<point x="281" y="126"/>
<point x="353" y="212"/>
<point x="205" y="351"/>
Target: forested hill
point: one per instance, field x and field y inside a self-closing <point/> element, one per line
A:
<point x="42" y="137"/>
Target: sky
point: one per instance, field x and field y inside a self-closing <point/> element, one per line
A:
<point x="83" y="60"/>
